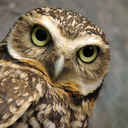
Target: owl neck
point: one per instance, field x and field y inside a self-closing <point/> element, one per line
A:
<point x="78" y="101"/>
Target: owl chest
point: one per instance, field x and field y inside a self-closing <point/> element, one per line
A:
<point x="52" y="112"/>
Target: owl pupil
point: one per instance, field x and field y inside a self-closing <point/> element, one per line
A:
<point x="41" y="35"/>
<point x="88" y="51"/>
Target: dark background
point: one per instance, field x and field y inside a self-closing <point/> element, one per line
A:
<point x="111" y="110"/>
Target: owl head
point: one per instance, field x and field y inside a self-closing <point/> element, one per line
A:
<point x="65" y="46"/>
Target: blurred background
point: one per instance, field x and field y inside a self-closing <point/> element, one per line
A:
<point x="111" y="109"/>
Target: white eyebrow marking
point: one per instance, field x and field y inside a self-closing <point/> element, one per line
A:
<point x="61" y="41"/>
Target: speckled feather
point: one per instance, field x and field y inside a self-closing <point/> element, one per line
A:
<point x="29" y="95"/>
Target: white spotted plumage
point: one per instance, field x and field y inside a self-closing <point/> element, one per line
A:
<point x="44" y="81"/>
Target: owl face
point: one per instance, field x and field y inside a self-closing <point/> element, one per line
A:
<point x="68" y="48"/>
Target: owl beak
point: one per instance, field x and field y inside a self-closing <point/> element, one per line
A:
<point x="58" y="67"/>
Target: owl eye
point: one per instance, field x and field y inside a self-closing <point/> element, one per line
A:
<point x="88" y="53"/>
<point x="40" y="36"/>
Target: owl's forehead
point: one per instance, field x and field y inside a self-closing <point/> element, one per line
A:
<point x="71" y="24"/>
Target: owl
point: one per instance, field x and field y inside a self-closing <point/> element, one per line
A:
<point x="52" y="66"/>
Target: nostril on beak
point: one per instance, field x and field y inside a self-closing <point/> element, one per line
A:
<point x="66" y="58"/>
<point x="56" y="55"/>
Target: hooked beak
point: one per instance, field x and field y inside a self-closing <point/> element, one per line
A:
<point x="58" y="67"/>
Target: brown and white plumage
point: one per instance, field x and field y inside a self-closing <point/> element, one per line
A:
<point x="51" y="85"/>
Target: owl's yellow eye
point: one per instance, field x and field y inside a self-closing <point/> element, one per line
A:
<point x="40" y="36"/>
<point x="88" y="53"/>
